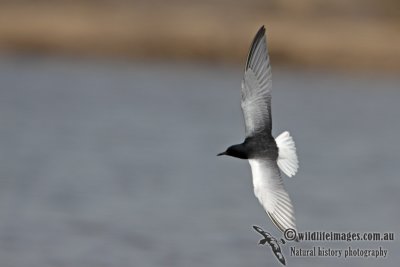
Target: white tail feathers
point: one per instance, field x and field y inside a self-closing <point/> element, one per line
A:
<point x="287" y="159"/>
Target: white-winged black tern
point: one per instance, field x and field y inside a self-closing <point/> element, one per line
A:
<point x="267" y="155"/>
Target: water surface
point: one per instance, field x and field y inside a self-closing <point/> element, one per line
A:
<point x="113" y="164"/>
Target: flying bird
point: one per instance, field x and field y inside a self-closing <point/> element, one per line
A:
<point x="273" y="242"/>
<point x="268" y="156"/>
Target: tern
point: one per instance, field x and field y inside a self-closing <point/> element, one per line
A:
<point x="268" y="156"/>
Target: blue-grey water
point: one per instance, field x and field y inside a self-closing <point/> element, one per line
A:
<point x="114" y="164"/>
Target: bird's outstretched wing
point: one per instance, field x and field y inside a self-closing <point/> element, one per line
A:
<point x="269" y="189"/>
<point x="256" y="87"/>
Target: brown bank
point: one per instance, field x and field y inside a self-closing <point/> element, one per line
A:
<point x="336" y="35"/>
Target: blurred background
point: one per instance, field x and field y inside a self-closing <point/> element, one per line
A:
<point x="112" y="113"/>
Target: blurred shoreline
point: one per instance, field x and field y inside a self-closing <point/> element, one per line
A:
<point x="204" y="32"/>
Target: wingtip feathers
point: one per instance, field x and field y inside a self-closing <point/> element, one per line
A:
<point x="259" y="36"/>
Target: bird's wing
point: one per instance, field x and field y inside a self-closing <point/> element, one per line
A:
<point x="270" y="191"/>
<point x="256" y="87"/>
<point x="276" y="249"/>
<point x="260" y="231"/>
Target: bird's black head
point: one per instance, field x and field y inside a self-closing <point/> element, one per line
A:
<point x="236" y="151"/>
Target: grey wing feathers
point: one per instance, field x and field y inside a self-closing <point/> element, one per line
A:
<point x="270" y="191"/>
<point x="283" y="213"/>
<point x="256" y="87"/>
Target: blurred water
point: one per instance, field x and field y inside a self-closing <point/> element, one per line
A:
<point x="113" y="164"/>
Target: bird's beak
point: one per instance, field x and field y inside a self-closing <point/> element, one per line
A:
<point x="220" y="154"/>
